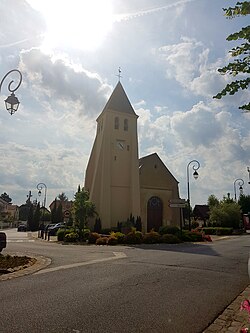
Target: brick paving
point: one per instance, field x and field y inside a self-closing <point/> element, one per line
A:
<point x="232" y="319"/>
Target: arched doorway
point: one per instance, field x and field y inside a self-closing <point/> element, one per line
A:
<point x="154" y="213"/>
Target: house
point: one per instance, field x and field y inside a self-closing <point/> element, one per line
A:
<point x="119" y="183"/>
<point x="9" y="214"/>
<point x="201" y="213"/>
<point x="66" y="205"/>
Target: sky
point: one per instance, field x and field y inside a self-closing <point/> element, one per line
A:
<point x="69" y="55"/>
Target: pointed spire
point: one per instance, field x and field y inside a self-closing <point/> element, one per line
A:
<point x="119" y="101"/>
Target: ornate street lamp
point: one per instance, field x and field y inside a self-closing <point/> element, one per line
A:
<point x="40" y="187"/>
<point x="196" y="166"/>
<point x="248" y="170"/>
<point x="240" y="183"/>
<point x="12" y="102"/>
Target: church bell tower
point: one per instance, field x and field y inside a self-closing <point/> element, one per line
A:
<point x="112" y="174"/>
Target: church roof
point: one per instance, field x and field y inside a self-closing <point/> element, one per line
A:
<point x="154" y="157"/>
<point x="119" y="101"/>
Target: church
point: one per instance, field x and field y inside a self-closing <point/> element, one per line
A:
<point x="119" y="183"/>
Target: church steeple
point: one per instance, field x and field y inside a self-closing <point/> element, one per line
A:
<point x="119" y="101"/>
<point x="112" y="174"/>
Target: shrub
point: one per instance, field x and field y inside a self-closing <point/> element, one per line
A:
<point x="191" y="236"/>
<point x="170" y="239"/>
<point x="71" y="237"/>
<point x="194" y="224"/>
<point x="217" y="231"/>
<point x="224" y="231"/>
<point x="133" y="237"/>
<point x="112" y="240"/>
<point x="93" y="236"/>
<point x="207" y="238"/>
<point x="151" y="237"/>
<point x="60" y="235"/>
<point x="169" y="230"/>
<point x="119" y="236"/>
<point x="102" y="241"/>
<point x="106" y="231"/>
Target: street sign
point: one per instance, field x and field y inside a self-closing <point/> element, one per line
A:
<point x="177" y="201"/>
<point x="177" y="205"/>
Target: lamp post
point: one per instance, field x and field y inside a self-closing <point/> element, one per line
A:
<point x="40" y="187"/>
<point x="12" y="102"/>
<point x="196" y="166"/>
<point x="248" y="170"/>
<point x="240" y="183"/>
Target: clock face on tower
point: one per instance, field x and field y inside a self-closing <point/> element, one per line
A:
<point x="120" y="144"/>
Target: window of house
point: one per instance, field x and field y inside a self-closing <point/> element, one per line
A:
<point x="116" y="123"/>
<point x="125" y="124"/>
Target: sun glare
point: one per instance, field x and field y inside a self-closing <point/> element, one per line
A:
<point x="80" y="24"/>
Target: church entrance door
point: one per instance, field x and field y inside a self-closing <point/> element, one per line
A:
<point x="154" y="213"/>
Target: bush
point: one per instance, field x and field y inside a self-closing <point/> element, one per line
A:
<point x="151" y="237"/>
<point x="93" y="236"/>
<point x="71" y="237"/>
<point x="112" y="240"/>
<point x="60" y="235"/>
<point x="191" y="236"/>
<point x="224" y="231"/>
<point x="106" y="231"/>
<point x="119" y="236"/>
<point x="207" y="238"/>
<point x="195" y="225"/>
<point x="102" y="241"/>
<point x="169" y="230"/>
<point x="217" y="231"/>
<point x="170" y="239"/>
<point x="133" y="237"/>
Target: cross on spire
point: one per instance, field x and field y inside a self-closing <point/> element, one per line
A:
<point x="119" y="73"/>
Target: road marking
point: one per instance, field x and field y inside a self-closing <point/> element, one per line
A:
<point x="19" y="240"/>
<point x="117" y="255"/>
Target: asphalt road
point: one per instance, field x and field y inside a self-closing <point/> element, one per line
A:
<point x="148" y="288"/>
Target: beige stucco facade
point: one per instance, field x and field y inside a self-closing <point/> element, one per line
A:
<point x="118" y="182"/>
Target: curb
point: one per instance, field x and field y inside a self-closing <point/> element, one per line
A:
<point x="40" y="263"/>
<point x="232" y="318"/>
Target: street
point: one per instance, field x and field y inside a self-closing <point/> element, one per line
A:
<point x="147" y="288"/>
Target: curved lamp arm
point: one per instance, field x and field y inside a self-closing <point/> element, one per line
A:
<point x="12" y="102"/>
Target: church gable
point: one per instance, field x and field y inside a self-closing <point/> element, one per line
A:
<point x="154" y="173"/>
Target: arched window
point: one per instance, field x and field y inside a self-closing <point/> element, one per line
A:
<point x="116" y="123"/>
<point x="125" y="124"/>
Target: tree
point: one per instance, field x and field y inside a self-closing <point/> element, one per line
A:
<point x="244" y="202"/>
<point x="6" y="197"/>
<point x="53" y="212"/>
<point x="212" y="201"/>
<point x="36" y="218"/>
<point x="226" y="214"/>
<point x="63" y="197"/>
<point x="59" y="213"/>
<point x="83" y="209"/>
<point x="241" y="53"/>
<point x="30" y="218"/>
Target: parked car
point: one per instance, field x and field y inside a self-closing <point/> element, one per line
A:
<point x="48" y="226"/>
<point x="2" y="240"/>
<point x="53" y="230"/>
<point x="22" y="227"/>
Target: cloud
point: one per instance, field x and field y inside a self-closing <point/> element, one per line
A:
<point x="129" y="16"/>
<point x="62" y="84"/>
<point x="61" y="168"/>
<point x="21" y="26"/>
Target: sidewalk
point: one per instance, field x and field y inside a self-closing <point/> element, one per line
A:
<point x="232" y="319"/>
